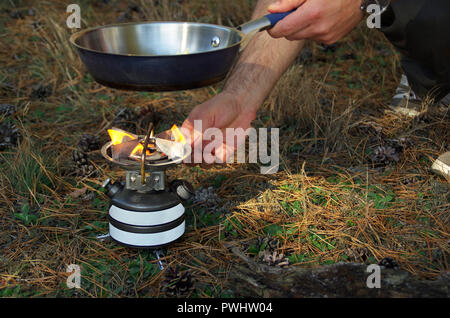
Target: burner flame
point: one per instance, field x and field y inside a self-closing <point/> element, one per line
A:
<point x="128" y="145"/>
<point x="119" y="136"/>
<point x="138" y="150"/>
<point x="177" y="135"/>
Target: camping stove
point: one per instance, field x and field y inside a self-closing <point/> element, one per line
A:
<point x="146" y="210"/>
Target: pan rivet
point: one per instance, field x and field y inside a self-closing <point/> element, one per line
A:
<point x="215" y="42"/>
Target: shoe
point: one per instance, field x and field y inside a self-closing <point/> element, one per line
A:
<point x="405" y="101"/>
<point x="442" y="166"/>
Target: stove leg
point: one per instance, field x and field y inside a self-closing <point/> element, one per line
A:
<point x="104" y="237"/>
<point x="159" y="254"/>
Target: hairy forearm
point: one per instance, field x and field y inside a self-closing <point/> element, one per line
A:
<point x="261" y="65"/>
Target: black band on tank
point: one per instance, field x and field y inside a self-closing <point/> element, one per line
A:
<point x="146" y="229"/>
<point x="155" y="201"/>
<point x="148" y="247"/>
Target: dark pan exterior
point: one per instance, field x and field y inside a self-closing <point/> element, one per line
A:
<point x="159" y="73"/>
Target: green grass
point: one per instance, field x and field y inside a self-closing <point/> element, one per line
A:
<point x="10" y="292"/>
<point x="29" y="170"/>
<point x="231" y="227"/>
<point x="26" y="216"/>
<point x="381" y="199"/>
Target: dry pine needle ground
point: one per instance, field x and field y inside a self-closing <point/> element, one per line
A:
<point x="354" y="183"/>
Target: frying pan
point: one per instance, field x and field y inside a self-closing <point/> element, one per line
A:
<point x="164" y="56"/>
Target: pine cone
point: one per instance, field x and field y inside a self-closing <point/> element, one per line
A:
<point x="388" y="263"/>
<point x="126" y="119"/>
<point x="275" y="259"/>
<point x="400" y="144"/>
<point x="88" y="143"/>
<point x="407" y="181"/>
<point x="83" y="167"/>
<point x="385" y="155"/>
<point x="358" y="254"/>
<point x="208" y="199"/>
<point x="9" y="135"/>
<point x="177" y="283"/>
<point x="79" y="157"/>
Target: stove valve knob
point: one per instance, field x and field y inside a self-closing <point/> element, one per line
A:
<point x="183" y="189"/>
<point x="112" y="188"/>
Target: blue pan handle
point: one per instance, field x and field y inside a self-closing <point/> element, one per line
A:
<point x="264" y="23"/>
<point x="274" y="18"/>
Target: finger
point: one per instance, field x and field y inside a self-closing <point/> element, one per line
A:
<point x="319" y="34"/>
<point x="224" y="153"/>
<point x="243" y="122"/>
<point x="309" y="33"/>
<point x="284" y="5"/>
<point x="227" y="146"/>
<point x="233" y="142"/>
<point x="197" y="114"/>
<point x="212" y="115"/>
<point x="293" y="23"/>
<point x="219" y="148"/>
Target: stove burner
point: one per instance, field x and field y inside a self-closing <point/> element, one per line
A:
<point x="144" y="211"/>
<point x="153" y="155"/>
<point x="153" y="162"/>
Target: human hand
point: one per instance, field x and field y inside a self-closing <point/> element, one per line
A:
<point x="322" y="21"/>
<point x="223" y="111"/>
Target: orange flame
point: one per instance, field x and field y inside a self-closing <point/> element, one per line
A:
<point x="118" y="136"/>
<point x="138" y="149"/>
<point x="177" y="135"/>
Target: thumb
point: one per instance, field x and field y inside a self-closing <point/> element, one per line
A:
<point x="200" y="113"/>
<point x="284" y="5"/>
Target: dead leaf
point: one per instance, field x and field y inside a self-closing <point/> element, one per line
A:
<point x="78" y="193"/>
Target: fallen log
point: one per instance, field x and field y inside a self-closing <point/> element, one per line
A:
<point x="343" y="280"/>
